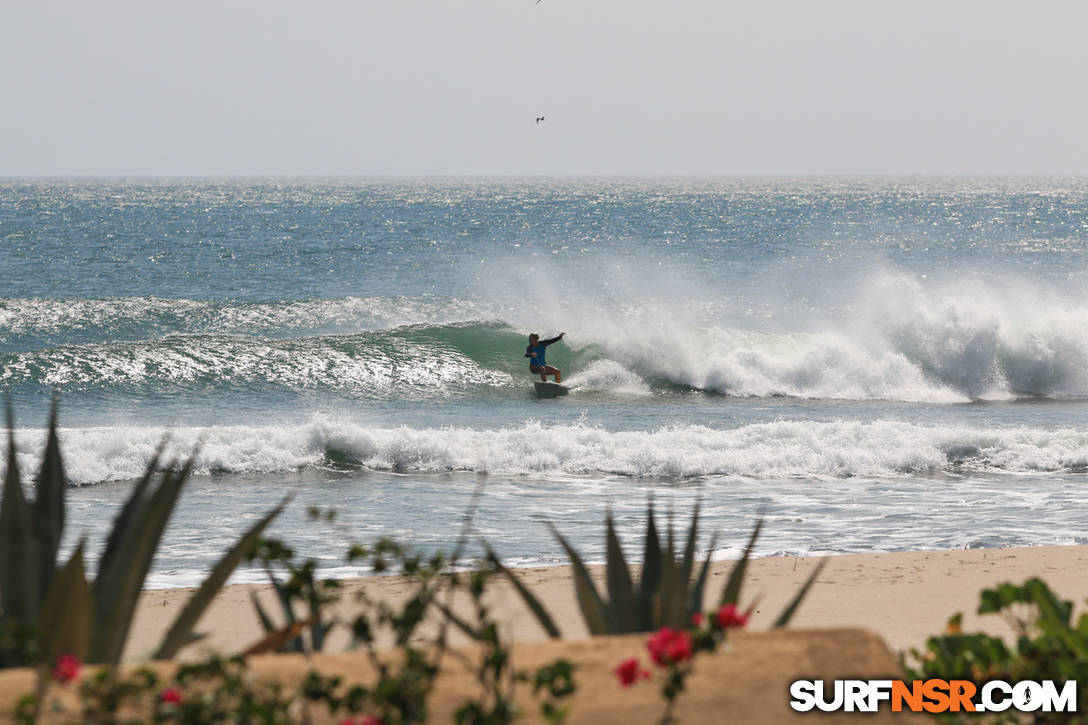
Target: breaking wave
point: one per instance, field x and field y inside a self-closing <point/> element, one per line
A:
<point x="778" y="450"/>
<point x="380" y="364"/>
<point x="901" y="339"/>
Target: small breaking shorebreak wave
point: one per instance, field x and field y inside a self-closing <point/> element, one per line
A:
<point x="778" y="450"/>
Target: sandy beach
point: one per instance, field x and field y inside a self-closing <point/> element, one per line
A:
<point x="903" y="597"/>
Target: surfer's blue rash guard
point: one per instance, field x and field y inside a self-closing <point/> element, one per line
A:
<point x="538" y="348"/>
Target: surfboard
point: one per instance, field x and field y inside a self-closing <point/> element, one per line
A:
<point x="550" y="390"/>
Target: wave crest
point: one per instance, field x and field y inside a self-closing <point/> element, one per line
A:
<point x="778" y="450"/>
<point x="901" y="338"/>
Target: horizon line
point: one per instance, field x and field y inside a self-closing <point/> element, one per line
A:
<point x="512" y="176"/>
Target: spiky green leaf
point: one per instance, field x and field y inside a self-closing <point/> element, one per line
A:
<point x="67" y="614"/>
<point x="731" y="590"/>
<point x="180" y="633"/>
<point x="621" y="590"/>
<point x="791" y="608"/>
<point x="594" y="612"/>
<point x="19" y="590"/>
<point x="467" y="629"/>
<point x="283" y="597"/>
<point x="294" y="644"/>
<point x="318" y="631"/>
<point x="48" y="507"/>
<point x="266" y="621"/>
<point x="118" y="588"/>
<point x="650" y="580"/>
<point x="318" y="628"/>
<point x="413" y="613"/>
<point x="674" y="584"/>
<point x="689" y="546"/>
<point x="135" y="503"/>
<point x="538" y="610"/>
<point x="695" y="600"/>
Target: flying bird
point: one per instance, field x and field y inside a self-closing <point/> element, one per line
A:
<point x="539" y="119"/>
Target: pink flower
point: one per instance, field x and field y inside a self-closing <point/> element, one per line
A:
<point x="170" y="696"/>
<point x="669" y="646"/>
<point x="697" y="619"/>
<point x="629" y="672"/>
<point x="66" y="669"/>
<point x="368" y="720"/>
<point x="728" y="616"/>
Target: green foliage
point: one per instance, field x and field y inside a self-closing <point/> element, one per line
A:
<point x="221" y="690"/>
<point x="495" y="670"/>
<point x="67" y="615"/>
<point x="48" y="509"/>
<point x="60" y="611"/>
<point x="18" y="643"/>
<point x="127" y="559"/>
<point x="668" y="593"/>
<point x="20" y="595"/>
<point x="104" y="693"/>
<point x="400" y="693"/>
<point x="215" y="690"/>
<point x="1048" y="644"/>
<point x="224" y="690"/>
<point x="554" y="682"/>
<point x="300" y="587"/>
<point x="399" y="696"/>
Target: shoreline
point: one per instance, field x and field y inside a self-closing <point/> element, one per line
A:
<point x="903" y="596"/>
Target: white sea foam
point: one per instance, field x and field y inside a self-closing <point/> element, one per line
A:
<point x="894" y="337"/>
<point x="610" y="376"/>
<point x="778" y="450"/>
<point x="982" y="338"/>
<point x="758" y="364"/>
<point x="891" y="337"/>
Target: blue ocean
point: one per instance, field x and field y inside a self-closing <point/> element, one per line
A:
<point x="871" y="364"/>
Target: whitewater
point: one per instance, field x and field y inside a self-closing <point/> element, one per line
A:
<point x="763" y="451"/>
<point x="871" y="364"/>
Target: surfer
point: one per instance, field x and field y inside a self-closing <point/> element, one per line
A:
<point x="537" y="364"/>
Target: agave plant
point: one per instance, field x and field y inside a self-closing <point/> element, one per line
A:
<point x="666" y="594"/>
<point x="67" y="612"/>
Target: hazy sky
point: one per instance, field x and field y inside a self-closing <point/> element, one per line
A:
<point x="407" y="87"/>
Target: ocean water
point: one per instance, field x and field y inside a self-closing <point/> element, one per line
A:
<point x="871" y="364"/>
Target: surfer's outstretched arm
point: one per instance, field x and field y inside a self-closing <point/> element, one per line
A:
<point x="557" y="338"/>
